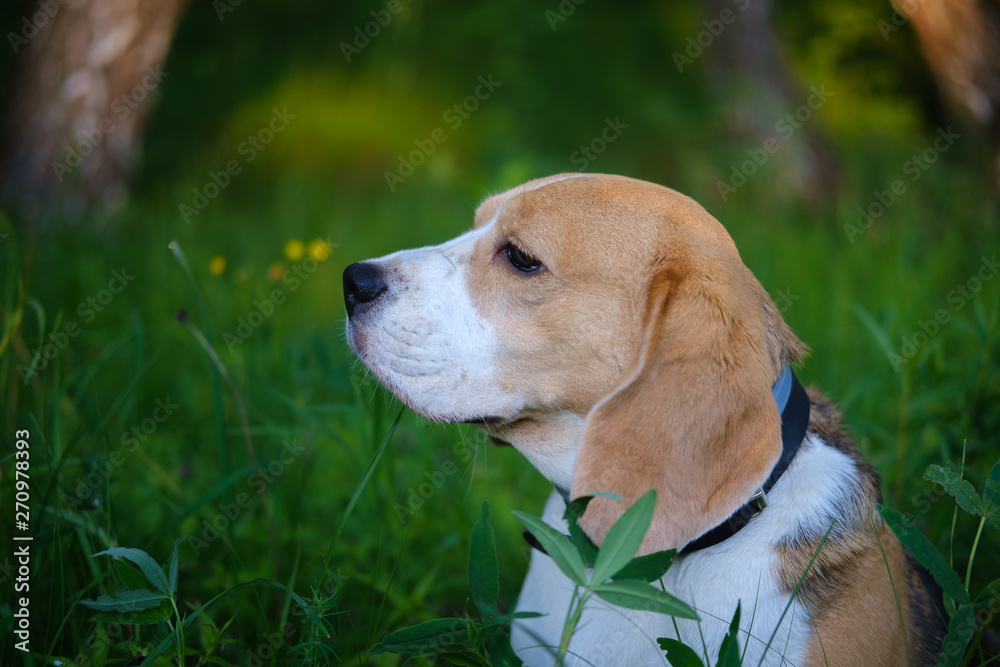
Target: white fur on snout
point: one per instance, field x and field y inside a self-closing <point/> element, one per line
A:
<point x="425" y="340"/>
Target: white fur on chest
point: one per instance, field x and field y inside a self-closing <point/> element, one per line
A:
<point x="741" y="569"/>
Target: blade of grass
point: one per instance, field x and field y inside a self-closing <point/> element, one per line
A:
<point x="40" y="318"/>
<point x="362" y="483"/>
<point x="388" y="584"/>
<point x="245" y="424"/>
<point x="164" y="645"/>
<point x="954" y="514"/>
<point x="895" y="593"/>
<point x="972" y="555"/>
<point x="795" y="591"/>
<point x="220" y="428"/>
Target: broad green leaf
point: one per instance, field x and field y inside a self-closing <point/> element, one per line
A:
<point x="925" y="553"/>
<point x="423" y="637"/>
<point x="729" y="650"/>
<point x="962" y="490"/>
<point x="149" y="567"/>
<point x="130" y="576"/>
<point x="472" y="632"/>
<point x="647" y="568"/>
<point x="127" y="601"/>
<point x="584" y="545"/>
<point x="500" y="652"/>
<point x="97" y="654"/>
<point x="576" y="507"/>
<point x="960" y="630"/>
<point x="484" y="568"/>
<point x="991" y="496"/>
<point x="638" y="595"/>
<point x="557" y="545"/>
<point x="174" y="564"/>
<point x="989" y="591"/>
<point x="734" y="625"/>
<point x="145" y="617"/>
<point x="624" y="538"/>
<point x="679" y="654"/>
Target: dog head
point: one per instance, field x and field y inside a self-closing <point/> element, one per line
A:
<point x="604" y="326"/>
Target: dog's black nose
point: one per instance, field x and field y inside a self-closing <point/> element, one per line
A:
<point x="362" y="284"/>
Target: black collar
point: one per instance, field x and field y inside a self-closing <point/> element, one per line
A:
<point x="793" y="405"/>
<point x="794" y="420"/>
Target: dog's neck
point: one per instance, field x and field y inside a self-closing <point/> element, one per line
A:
<point x="550" y="440"/>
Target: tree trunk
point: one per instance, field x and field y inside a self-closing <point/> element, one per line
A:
<point x="757" y="92"/>
<point x="87" y="74"/>
<point x="961" y="41"/>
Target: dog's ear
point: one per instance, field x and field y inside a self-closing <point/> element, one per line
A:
<point x="693" y="416"/>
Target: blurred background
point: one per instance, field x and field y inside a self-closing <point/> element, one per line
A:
<point x="183" y="184"/>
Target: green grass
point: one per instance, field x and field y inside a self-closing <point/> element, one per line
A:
<point x="317" y="418"/>
<point x="331" y="520"/>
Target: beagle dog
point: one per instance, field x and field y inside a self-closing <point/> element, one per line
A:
<point x="607" y="328"/>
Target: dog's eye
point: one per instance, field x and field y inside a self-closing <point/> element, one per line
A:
<point x="521" y="260"/>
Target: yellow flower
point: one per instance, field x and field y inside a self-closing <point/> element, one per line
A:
<point x="217" y="265"/>
<point x="319" y="250"/>
<point x="294" y="250"/>
<point x="276" y="270"/>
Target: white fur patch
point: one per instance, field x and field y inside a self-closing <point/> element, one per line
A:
<point x="424" y="338"/>
<point x="741" y="569"/>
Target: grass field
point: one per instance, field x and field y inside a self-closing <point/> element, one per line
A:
<point x="263" y="499"/>
<point x="190" y="379"/>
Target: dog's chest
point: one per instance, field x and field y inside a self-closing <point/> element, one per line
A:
<point x="742" y="570"/>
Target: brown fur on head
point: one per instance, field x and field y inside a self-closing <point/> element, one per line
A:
<point x="640" y="355"/>
<point x="691" y="415"/>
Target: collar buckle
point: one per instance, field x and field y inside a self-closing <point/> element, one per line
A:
<point x="758" y="502"/>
